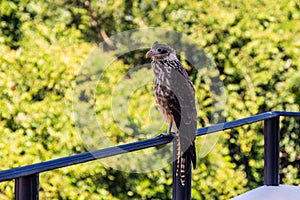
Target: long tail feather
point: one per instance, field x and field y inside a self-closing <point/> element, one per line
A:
<point x="181" y="169"/>
<point x="178" y="157"/>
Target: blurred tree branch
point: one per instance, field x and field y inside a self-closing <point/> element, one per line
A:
<point x="96" y="24"/>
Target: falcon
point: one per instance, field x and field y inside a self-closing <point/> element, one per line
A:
<point x="175" y="98"/>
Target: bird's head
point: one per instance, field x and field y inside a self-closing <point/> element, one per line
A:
<point x="161" y="52"/>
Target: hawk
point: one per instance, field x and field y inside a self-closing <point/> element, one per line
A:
<point x="175" y="99"/>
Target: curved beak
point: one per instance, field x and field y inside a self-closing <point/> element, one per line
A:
<point x="149" y="54"/>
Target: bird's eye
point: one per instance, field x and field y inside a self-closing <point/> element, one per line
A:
<point x="161" y="51"/>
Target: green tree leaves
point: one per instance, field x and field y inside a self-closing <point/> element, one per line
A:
<point x="43" y="45"/>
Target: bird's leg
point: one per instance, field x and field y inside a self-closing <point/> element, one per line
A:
<point x="170" y="128"/>
<point x="169" y="132"/>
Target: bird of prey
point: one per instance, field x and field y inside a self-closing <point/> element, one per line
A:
<point x="175" y="99"/>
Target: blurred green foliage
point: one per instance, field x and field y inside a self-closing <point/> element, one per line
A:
<point x="43" y="45"/>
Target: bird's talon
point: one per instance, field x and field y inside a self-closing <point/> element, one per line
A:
<point x="170" y="134"/>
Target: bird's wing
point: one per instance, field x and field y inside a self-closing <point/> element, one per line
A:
<point x="178" y="97"/>
<point x="183" y="92"/>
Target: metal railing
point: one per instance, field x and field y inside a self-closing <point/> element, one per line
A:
<point x="27" y="177"/>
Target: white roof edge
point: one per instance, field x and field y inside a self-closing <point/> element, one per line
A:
<point x="286" y="192"/>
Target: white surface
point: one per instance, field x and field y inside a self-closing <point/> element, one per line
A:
<point x="281" y="192"/>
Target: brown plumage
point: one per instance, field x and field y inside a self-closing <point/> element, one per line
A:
<point x="175" y="98"/>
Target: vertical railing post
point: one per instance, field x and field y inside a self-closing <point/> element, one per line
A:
<point x="271" y="151"/>
<point x="180" y="192"/>
<point x="27" y="187"/>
